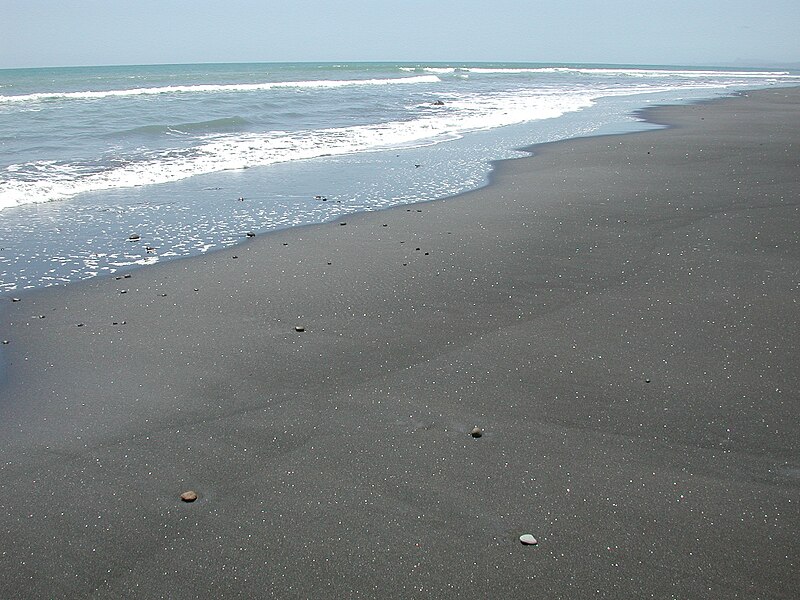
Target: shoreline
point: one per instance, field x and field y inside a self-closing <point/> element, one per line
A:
<point x="623" y="129"/>
<point x="616" y="313"/>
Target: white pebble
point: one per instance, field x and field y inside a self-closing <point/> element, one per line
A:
<point x="528" y="539"/>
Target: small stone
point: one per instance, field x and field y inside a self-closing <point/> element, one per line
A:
<point x="128" y="276"/>
<point x="5" y="342"/>
<point x="189" y="496"/>
<point x="299" y="328"/>
<point x="15" y="299"/>
<point x="250" y="234"/>
<point x="234" y="256"/>
<point x="163" y="295"/>
<point x="42" y="316"/>
<point x="528" y="539"/>
<point x="196" y="289"/>
<point x="476" y="432"/>
<point x="647" y="381"/>
<point x="342" y="223"/>
<point x="80" y="325"/>
<point x="134" y="236"/>
<point x="123" y="291"/>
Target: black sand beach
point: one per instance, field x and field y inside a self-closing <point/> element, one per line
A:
<point x="618" y="315"/>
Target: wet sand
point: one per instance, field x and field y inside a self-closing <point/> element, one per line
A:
<point x="618" y="315"/>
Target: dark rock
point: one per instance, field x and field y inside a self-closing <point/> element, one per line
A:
<point x="15" y="299"/>
<point x="476" y="432"/>
<point x="250" y="234"/>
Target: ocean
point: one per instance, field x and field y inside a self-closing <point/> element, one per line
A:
<point x="107" y="168"/>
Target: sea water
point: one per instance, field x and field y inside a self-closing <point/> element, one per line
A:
<point x="188" y="158"/>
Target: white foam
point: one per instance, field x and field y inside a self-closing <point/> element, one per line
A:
<point x="50" y="181"/>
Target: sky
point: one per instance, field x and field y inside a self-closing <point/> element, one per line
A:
<point x="37" y="33"/>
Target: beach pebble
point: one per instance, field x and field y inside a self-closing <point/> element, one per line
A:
<point x="134" y="236"/>
<point x="476" y="432"/>
<point x="528" y="539"/>
<point x="5" y="342"/>
<point x="123" y="291"/>
<point x="299" y="328"/>
<point x="189" y="496"/>
<point x="15" y="299"/>
<point x="250" y="234"/>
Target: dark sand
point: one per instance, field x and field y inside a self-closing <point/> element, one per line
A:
<point x="618" y="314"/>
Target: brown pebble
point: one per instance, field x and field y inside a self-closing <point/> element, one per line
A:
<point x="189" y="496"/>
<point x="476" y="432"/>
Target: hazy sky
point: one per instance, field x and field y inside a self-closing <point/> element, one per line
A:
<point x="102" y="32"/>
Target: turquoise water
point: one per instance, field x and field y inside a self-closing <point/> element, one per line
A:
<point x="192" y="157"/>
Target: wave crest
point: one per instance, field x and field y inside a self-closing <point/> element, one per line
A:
<point x="215" y="88"/>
